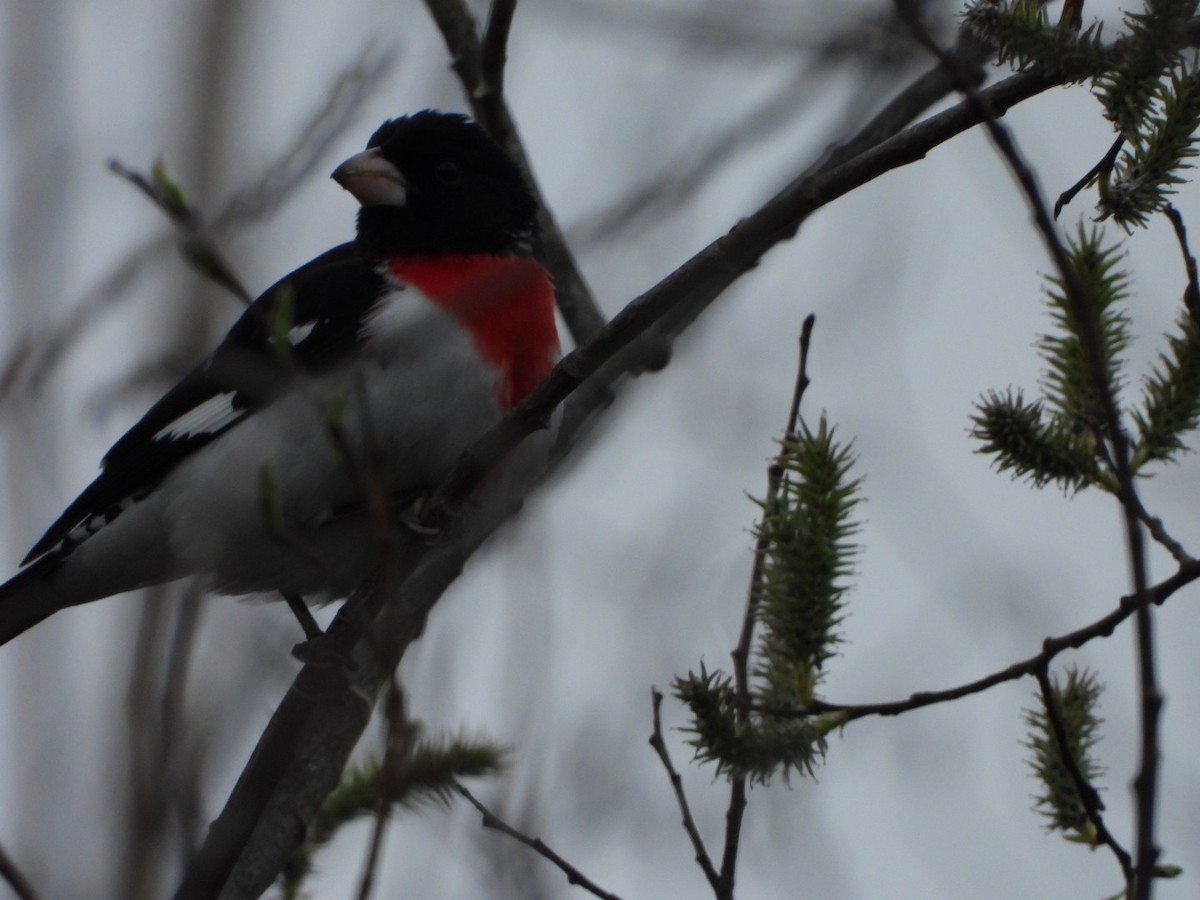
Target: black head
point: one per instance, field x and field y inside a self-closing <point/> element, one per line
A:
<point x="435" y="182"/>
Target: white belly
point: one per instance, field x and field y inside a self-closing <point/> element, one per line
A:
<point x="275" y="504"/>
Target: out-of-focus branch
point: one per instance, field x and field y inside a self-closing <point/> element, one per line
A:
<point x="574" y="876"/>
<point x="494" y="52"/>
<point x="35" y="356"/>
<point x="192" y="235"/>
<point x="11" y="875"/>
<point x="479" y="65"/>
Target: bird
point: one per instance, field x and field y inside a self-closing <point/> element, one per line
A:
<point x="374" y="365"/>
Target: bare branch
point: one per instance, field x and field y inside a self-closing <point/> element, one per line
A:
<point x="12" y="876"/>
<point x="689" y="824"/>
<point x="494" y="52"/>
<point x="1051" y="647"/>
<point x="574" y="876"/>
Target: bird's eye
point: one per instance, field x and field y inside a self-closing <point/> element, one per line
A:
<point x="448" y="171"/>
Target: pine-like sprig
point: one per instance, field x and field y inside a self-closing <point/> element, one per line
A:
<point x="1056" y="438"/>
<point x="1128" y="89"/>
<point x="1170" y="406"/>
<point x="1024" y="442"/>
<point x="1069" y="383"/>
<point x="1058" y="800"/>
<point x="426" y="776"/>
<point x="807" y="532"/>
<point x="1159" y="149"/>
<point x="807" y="553"/>
<point x="757" y="747"/>
<point x="1023" y="36"/>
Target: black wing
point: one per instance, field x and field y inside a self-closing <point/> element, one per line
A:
<point x="319" y="310"/>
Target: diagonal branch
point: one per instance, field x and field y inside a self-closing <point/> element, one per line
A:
<point x="479" y="66"/>
<point x="193" y="237"/>
<point x="659" y="743"/>
<point x="493" y="54"/>
<point x="574" y="876"/>
<point x="1051" y="647"/>
<point x="12" y="876"/>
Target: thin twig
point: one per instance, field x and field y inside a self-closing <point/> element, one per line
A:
<point x="736" y="810"/>
<point x="1146" y="780"/>
<point x="658" y="742"/>
<point x="1191" y="294"/>
<point x="802" y="379"/>
<point x="400" y="736"/>
<point x="1105" y="164"/>
<point x="196" y="245"/>
<point x="1158" y="531"/>
<point x="574" y="876"/>
<point x="1051" y="647"/>
<point x="1084" y="789"/>
<point x="374" y="849"/>
<point x="303" y="615"/>
<point x="734" y="815"/>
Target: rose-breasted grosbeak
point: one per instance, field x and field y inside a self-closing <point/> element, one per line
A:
<point x="382" y="359"/>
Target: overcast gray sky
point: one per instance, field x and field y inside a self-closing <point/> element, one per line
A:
<point x="630" y="566"/>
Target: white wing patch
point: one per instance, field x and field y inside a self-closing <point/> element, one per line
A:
<point x="211" y="415"/>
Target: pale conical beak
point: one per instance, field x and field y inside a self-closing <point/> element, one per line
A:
<point x="372" y="179"/>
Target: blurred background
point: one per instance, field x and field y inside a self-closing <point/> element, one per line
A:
<point x="653" y="126"/>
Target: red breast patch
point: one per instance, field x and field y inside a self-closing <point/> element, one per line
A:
<point x="505" y="302"/>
